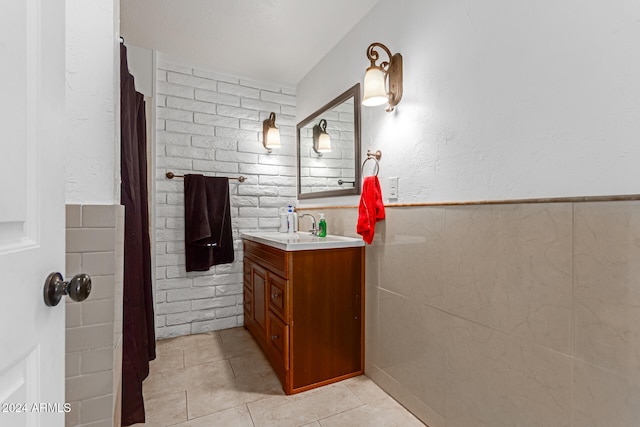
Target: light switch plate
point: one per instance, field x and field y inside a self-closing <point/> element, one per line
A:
<point x="393" y="187"/>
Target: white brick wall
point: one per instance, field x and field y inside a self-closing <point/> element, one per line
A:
<point x="211" y="123"/>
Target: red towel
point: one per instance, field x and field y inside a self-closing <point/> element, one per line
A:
<point x="371" y="208"/>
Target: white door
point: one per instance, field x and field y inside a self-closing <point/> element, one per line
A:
<point x="32" y="58"/>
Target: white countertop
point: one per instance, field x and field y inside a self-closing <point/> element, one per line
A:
<point x="301" y="241"/>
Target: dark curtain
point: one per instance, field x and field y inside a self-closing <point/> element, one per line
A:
<point x="138" y="335"/>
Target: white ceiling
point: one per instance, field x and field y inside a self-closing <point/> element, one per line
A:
<point x="272" y="40"/>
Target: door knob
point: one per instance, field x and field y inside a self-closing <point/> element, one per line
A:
<point x="55" y="288"/>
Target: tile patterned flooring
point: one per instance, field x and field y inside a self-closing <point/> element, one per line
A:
<point x="222" y="379"/>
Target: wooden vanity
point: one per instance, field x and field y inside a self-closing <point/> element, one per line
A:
<point x="304" y="305"/>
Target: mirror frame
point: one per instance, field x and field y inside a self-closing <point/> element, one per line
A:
<point x="354" y="92"/>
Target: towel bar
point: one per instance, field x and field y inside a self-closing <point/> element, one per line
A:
<point x="172" y="175"/>
<point x="342" y="181"/>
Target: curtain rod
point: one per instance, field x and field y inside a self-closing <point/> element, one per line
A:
<point x="172" y="175"/>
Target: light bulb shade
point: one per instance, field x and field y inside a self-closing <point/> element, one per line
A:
<point x="324" y="143"/>
<point x="272" y="139"/>
<point x="321" y="140"/>
<point x="375" y="92"/>
<point x="270" y="133"/>
<point x="383" y="82"/>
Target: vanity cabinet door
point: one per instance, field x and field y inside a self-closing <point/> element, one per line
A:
<point x="259" y="279"/>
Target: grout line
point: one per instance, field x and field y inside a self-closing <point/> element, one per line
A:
<point x="250" y="414"/>
<point x="186" y="404"/>
<point x="233" y="371"/>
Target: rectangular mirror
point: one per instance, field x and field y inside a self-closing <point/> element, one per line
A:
<point x="329" y="148"/>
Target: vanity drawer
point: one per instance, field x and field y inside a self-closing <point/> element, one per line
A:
<point x="278" y="300"/>
<point x="271" y="258"/>
<point x="279" y="338"/>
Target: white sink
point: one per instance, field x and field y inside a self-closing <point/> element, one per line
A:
<point x="301" y="241"/>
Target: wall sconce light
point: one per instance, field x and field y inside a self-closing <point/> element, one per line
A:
<point x="378" y="77"/>
<point x="321" y="140"/>
<point x="270" y="133"/>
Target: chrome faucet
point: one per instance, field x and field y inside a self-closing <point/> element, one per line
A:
<point x="314" y="229"/>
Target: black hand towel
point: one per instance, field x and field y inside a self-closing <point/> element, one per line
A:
<point x="208" y="235"/>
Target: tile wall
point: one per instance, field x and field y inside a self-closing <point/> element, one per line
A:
<point x="94" y="327"/>
<point x="504" y="315"/>
<point x="211" y="124"/>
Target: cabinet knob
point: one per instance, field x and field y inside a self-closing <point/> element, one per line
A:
<point x="274" y="337"/>
<point x="275" y="295"/>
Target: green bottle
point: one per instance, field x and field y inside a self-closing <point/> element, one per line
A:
<point x="322" y="226"/>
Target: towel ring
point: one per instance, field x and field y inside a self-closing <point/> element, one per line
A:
<point x="373" y="156"/>
<point x="376" y="167"/>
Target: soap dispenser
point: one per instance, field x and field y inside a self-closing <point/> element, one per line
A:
<point x="292" y="217"/>
<point x="284" y="220"/>
<point x="322" y="226"/>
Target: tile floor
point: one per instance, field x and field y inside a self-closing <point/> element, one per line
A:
<point x="222" y="379"/>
